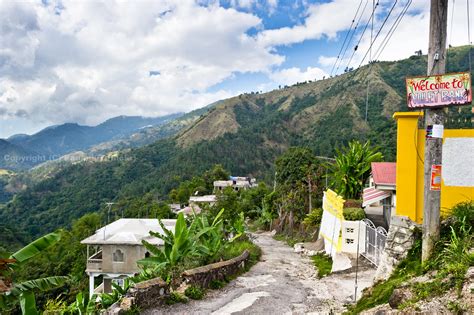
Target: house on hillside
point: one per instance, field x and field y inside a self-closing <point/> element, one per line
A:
<point x="237" y="183"/>
<point x="379" y="199"/>
<point x="113" y="251"/>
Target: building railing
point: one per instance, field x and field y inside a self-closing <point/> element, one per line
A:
<point x="94" y="263"/>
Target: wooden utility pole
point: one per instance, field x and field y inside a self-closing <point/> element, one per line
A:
<point x="433" y="146"/>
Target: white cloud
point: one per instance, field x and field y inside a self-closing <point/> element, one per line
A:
<point x="323" y="19"/>
<point x="293" y="75"/>
<point x="86" y="61"/>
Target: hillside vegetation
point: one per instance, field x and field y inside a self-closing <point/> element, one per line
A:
<point x="245" y="134"/>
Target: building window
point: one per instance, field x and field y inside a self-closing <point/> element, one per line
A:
<point x="118" y="256"/>
<point x="349" y="241"/>
<point x="349" y="230"/>
<point x="147" y="254"/>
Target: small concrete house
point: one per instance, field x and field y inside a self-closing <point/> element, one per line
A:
<point x="113" y="251"/>
<point x="237" y="183"/>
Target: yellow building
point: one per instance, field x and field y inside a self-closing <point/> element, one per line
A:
<point x="457" y="170"/>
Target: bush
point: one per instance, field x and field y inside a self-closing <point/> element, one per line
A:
<point x="216" y="284"/>
<point x="237" y="247"/>
<point x="194" y="292"/>
<point x="314" y="217"/>
<point x="464" y="211"/>
<point x="175" y="297"/>
<point x="323" y="263"/>
<point x="353" y="214"/>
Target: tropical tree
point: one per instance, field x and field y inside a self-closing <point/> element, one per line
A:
<point x="351" y="169"/>
<point x="24" y="291"/>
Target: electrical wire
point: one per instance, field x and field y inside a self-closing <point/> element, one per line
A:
<point x="378" y="33"/>
<point x="347" y="35"/>
<point x="392" y="30"/>
<point x="469" y="34"/>
<point x="352" y="36"/>
<point x="362" y="35"/>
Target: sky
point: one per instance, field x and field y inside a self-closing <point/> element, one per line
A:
<point x="87" y="61"/>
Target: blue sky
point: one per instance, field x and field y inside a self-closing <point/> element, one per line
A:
<point x="86" y="61"/>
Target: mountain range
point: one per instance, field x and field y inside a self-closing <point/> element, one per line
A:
<point x="244" y="133"/>
<point x="24" y="151"/>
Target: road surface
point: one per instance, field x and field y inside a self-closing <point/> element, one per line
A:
<point x="283" y="282"/>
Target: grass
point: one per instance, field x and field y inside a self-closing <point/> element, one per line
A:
<point x="237" y="247"/>
<point x="194" y="292"/>
<point x="446" y="269"/>
<point x="323" y="263"/>
<point x="176" y="297"/>
<point x="291" y="240"/>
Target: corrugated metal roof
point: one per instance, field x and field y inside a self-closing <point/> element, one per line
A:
<point x="384" y="173"/>
<point x="371" y="195"/>
<point x="129" y="232"/>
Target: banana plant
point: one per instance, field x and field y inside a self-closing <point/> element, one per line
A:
<point x="24" y="291"/>
<point x="83" y="305"/>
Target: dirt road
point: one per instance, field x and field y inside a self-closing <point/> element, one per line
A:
<point x="283" y="282"/>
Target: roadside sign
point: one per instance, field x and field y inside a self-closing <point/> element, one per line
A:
<point x="439" y="90"/>
<point x="435" y="177"/>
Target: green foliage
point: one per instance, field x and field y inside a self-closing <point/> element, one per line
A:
<point x="175" y="297"/>
<point x="323" y="264"/>
<point x="194" y="292"/>
<point x="24" y="291"/>
<point x="446" y="269"/>
<point x="353" y="214"/>
<point x="352" y="168"/>
<point x="216" y="284"/>
<point x="55" y="306"/>
<point x="234" y="249"/>
<point x="314" y="217"/>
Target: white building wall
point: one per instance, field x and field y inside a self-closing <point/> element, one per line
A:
<point x="351" y="231"/>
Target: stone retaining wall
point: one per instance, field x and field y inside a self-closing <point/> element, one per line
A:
<point x="203" y="276"/>
<point x="153" y="293"/>
<point x="400" y="239"/>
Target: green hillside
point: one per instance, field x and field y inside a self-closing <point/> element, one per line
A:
<point x="244" y="134"/>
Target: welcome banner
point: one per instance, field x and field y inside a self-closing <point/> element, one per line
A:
<point x="439" y="90"/>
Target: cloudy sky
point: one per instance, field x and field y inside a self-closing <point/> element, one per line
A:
<point x="86" y="61"/>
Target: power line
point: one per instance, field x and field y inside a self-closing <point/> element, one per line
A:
<point x="347" y="35"/>
<point x="362" y="35"/>
<point x="378" y="33"/>
<point x="392" y="30"/>
<point x="352" y="36"/>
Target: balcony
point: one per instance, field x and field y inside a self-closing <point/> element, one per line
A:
<point x="94" y="263"/>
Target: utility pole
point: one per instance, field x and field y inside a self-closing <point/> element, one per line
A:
<point x="433" y="147"/>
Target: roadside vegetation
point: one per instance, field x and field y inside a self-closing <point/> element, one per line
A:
<point x="445" y="271"/>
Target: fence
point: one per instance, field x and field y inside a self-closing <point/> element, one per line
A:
<point x="374" y="242"/>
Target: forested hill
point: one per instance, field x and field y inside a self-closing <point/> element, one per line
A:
<point x="244" y="134"/>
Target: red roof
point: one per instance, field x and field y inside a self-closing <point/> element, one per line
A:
<point x="384" y="173"/>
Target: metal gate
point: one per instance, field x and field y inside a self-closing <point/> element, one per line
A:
<point x="374" y="242"/>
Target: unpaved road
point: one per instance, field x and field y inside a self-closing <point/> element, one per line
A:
<point x="283" y="282"/>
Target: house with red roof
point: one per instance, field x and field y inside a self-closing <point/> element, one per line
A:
<point x="381" y="192"/>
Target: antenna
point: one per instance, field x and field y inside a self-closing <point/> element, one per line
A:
<point x="109" y="204"/>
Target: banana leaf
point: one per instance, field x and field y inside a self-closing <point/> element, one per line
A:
<point x="28" y="303"/>
<point x="36" y="247"/>
<point x="42" y="284"/>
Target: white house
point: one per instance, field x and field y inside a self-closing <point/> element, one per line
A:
<point x="117" y="247"/>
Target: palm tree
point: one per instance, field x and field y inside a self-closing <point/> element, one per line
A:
<point x="352" y="168"/>
<point x="23" y="292"/>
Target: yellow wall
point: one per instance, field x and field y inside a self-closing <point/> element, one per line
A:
<point x="410" y="155"/>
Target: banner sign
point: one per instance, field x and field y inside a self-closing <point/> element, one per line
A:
<point x="331" y="223"/>
<point x="439" y="90"/>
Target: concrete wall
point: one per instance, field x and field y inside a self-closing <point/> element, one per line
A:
<point x="131" y="253"/>
<point x="350" y="233"/>
<point x="457" y="174"/>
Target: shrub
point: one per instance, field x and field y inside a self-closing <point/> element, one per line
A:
<point x="194" y="292"/>
<point x="464" y="211"/>
<point x="323" y="263"/>
<point x="314" y="217"/>
<point x="353" y="214"/>
<point x="216" y="284"/>
<point x="174" y="298"/>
